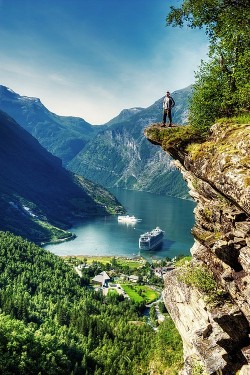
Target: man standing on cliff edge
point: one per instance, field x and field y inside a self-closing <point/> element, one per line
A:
<point x="168" y="104"/>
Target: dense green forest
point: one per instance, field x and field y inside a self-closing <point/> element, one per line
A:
<point x="52" y="324"/>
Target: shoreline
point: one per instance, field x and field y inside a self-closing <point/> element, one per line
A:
<point x="59" y="240"/>
<point x="103" y="258"/>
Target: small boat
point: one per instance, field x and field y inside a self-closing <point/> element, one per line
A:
<point x="128" y="219"/>
<point x="150" y="240"/>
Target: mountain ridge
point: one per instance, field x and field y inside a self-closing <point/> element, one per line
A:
<point x="39" y="198"/>
<point x="120" y="156"/>
<point x="114" y="154"/>
<point x="71" y="133"/>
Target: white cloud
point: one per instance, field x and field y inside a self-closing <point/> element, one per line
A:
<point x="99" y="91"/>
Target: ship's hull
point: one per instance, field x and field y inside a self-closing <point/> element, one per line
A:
<point x="151" y="240"/>
<point x="128" y="219"/>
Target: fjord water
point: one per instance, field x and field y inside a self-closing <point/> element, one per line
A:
<point x="105" y="236"/>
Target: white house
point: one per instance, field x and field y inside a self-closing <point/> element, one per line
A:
<point x="102" y="278"/>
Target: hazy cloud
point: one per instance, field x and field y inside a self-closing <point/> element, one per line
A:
<point x="89" y="61"/>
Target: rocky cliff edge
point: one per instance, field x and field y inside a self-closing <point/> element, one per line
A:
<point x="209" y="298"/>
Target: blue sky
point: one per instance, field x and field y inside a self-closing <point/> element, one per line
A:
<point x="93" y="58"/>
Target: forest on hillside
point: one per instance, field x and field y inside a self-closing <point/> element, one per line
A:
<point x="50" y="323"/>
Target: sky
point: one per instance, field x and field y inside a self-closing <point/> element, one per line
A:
<point x="94" y="58"/>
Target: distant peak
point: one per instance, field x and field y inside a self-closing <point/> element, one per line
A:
<point x="4" y="90"/>
<point x="36" y="100"/>
<point x="131" y="110"/>
<point x="7" y="90"/>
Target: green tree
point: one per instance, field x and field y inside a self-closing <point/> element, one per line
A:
<point x="153" y="315"/>
<point x="162" y="307"/>
<point x="222" y="85"/>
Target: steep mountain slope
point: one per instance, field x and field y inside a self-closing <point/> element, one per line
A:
<point x="124" y="115"/>
<point x="118" y="156"/>
<point x="209" y="298"/>
<point x="121" y="156"/>
<point x="62" y="136"/>
<point x="36" y="192"/>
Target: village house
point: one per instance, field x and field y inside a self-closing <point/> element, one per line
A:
<point x="133" y="278"/>
<point x="101" y="279"/>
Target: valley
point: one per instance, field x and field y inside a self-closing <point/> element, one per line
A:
<point x="80" y="293"/>
<point x="115" y="154"/>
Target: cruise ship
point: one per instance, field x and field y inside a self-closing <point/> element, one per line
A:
<point x="128" y="219"/>
<point x="150" y="240"/>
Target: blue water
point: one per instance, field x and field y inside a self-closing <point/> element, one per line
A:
<point x="105" y="236"/>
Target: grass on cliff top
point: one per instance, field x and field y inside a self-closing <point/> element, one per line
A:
<point x="181" y="136"/>
<point x="178" y="137"/>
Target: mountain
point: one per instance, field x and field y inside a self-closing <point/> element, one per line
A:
<point x="61" y="135"/>
<point x="39" y="199"/>
<point x="124" y="115"/>
<point x="121" y="156"/>
<point x="114" y="154"/>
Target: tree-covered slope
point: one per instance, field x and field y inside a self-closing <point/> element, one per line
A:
<point x="50" y="324"/>
<point x="38" y="197"/>
<point x="121" y="156"/>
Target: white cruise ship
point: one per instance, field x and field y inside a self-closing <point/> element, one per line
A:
<point x="150" y="240"/>
<point x="127" y="219"/>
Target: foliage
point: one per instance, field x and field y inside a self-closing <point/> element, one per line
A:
<point x="235" y="120"/>
<point x="140" y="293"/>
<point x="56" y="234"/>
<point x="162" y="307"/>
<point x="101" y="196"/>
<point x="139" y="267"/>
<point x="50" y="324"/>
<point x="168" y="361"/>
<point x="198" y="369"/>
<point x="182" y="261"/>
<point x="213" y="96"/>
<point x="222" y="84"/>
<point x="177" y="137"/>
<point x="153" y="315"/>
<point x="202" y="278"/>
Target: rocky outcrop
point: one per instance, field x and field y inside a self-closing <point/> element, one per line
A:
<point x="215" y="334"/>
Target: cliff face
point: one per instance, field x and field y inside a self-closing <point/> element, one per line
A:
<point x="215" y="334"/>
